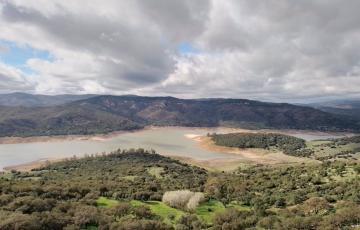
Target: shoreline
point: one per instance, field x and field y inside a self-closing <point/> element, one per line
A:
<point x="27" y="167"/>
<point x="84" y="137"/>
<point x="106" y="136"/>
<point x="241" y="157"/>
<point x="256" y="156"/>
<point x="59" y="138"/>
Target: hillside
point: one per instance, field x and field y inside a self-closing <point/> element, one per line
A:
<point x="110" y="113"/>
<point x="126" y="190"/>
<point x="34" y="100"/>
<point x="349" y="108"/>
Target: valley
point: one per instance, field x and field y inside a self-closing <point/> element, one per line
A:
<point x="179" y="115"/>
<point x="128" y="163"/>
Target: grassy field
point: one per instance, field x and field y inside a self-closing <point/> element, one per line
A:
<point x="130" y="178"/>
<point x="156" y="171"/>
<point x="238" y="206"/>
<point x="346" y="175"/>
<point x="208" y="209"/>
<point x="205" y="211"/>
<point x="169" y="214"/>
<point x="6" y="175"/>
<point x="106" y="202"/>
<point x="316" y="143"/>
<point x="323" y="148"/>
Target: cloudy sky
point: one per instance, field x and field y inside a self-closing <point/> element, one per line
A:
<point x="279" y="50"/>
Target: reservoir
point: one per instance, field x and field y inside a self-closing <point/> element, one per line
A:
<point x="173" y="141"/>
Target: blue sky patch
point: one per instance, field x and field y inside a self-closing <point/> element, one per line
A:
<point x="187" y="48"/>
<point x="16" y="55"/>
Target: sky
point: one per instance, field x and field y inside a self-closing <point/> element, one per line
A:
<point x="273" y="50"/>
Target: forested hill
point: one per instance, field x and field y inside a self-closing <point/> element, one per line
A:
<point x="350" y="108"/>
<point x="110" y="113"/>
<point x="140" y="190"/>
<point x="288" y="144"/>
<point x="36" y="100"/>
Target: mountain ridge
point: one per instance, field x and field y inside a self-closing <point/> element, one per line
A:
<point x="107" y="113"/>
<point x="349" y="108"/>
<point x="39" y="100"/>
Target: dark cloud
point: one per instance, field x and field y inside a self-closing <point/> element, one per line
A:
<point x="277" y="49"/>
<point x="132" y="47"/>
<point x="179" y="20"/>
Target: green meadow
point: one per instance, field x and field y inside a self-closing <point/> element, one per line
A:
<point x="206" y="211"/>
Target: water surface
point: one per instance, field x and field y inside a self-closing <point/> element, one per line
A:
<point x="169" y="141"/>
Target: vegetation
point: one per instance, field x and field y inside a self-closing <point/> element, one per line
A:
<point x="183" y="199"/>
<point x="94" y="193"/>
<point x="36" y="100"/>
<point x="102" y="114"/>
<point x="106" y="202"/>
<point x="66" y="194"/>
<point x="168" y="214"/>
<point x="346" y="140"/>
<point x="349" y="108"/>
<point x="207" y="210"/>
<point x="288" y="144"/>
<point x="347" y="148"/>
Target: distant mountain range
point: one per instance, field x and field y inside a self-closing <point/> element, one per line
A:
<point x="33" y="100"/>
<point x="101" y="114"/>
<point x="350" y="108"/>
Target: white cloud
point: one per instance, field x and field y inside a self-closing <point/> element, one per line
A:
<point x="13" y="79"/>
<point x="269" y="50"/>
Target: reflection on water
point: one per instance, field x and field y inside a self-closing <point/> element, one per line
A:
<point x="170" y="141"/>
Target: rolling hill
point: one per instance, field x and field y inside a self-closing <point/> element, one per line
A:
<point x="350" y="108"/>
<point x="102" y="114"/>
<point x="35" y="100"/>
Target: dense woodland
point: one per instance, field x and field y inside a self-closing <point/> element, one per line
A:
<point x="65" y="195"/>
<point x="288" y="144"/>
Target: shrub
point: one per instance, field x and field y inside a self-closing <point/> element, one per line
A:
<point x="195" y="200"/>
<point x="183" y="199"/>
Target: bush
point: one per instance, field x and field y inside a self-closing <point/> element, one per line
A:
<point x="195" y="200"/>
<point x="189" y="222"/>
<point x="20" y="222"/>
<point x="183" y="199"/>
<point x="232" y="219"/>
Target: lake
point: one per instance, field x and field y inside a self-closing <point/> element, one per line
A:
<point x="167" y="141"/>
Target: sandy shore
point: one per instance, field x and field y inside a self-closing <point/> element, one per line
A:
<point x="31" y="165"/>
<point x="256" y="156"/>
